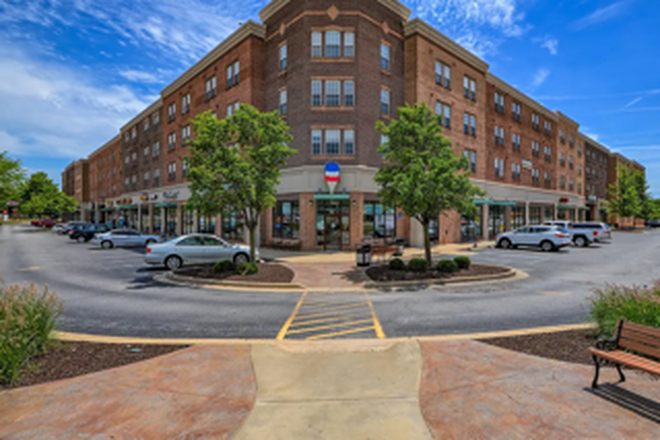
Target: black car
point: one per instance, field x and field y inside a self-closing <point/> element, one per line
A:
<point x="84" y="233"/>
<point x="653" y="223"/>
<point x="66" y="229"/>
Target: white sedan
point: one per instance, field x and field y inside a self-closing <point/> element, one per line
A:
<point x="548" y="238"/>
<point x="196" y="249"/>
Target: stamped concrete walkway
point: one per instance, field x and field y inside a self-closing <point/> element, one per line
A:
<point x="338" y="390"/>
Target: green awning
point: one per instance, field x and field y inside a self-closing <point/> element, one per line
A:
<point x="565" y="207"/>
<point x="166" y="205"/>
<point x="493" y="202"/>
<point x="127" y="207"/>
<point x="332" y="196"/>
<point x="483" y="202"/>
<point x="496" y="203"/>
<point x="107" y="209"/>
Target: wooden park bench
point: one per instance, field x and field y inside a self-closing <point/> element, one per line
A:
<point x="629" y="337"/>
<point x="384" y="249"/>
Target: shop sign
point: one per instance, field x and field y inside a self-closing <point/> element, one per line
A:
<point x="563" y="200"/>
<point x="169" y="195"/>
<point x="527" y="165"/>
<point x="592" y="198"/>
<point x="12" y="203"/>
<point x="144" y="197"/>
<point x="332" y="176"/>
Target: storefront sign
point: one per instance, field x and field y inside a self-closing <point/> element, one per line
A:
<point x="592" y="198"/>
<point x="527" y="164"/>
<point x="332" y="176"/>
<point x="12" y="203"/>
<point x="144" y="197"/>
<point x="169" y="195"/>
<point x="563" y="200"/>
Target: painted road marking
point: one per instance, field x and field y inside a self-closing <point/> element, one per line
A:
<point x="331" y="315"/>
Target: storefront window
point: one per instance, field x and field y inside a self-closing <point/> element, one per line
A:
<point x="286" y="220"/>
<point x="206" y="224"/>
<point x="170" y="222"/>
<point x="471" y="227"/>
<point x="332" y="224"/>
<point x="233" y="227"/>
<point x="144" y="220"/>
<point x="535" y="216"/>
<point x="517" y="217"/>
<point x="188" y="223"/>
<point x="548" y="214"/>
<point x="378" y="222"/>
<point x="157" y="220"/>
<point x="497" y="221"/>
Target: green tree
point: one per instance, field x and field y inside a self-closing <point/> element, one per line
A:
<point x="422" y="175"/>
<point x="624" y="199"/>
<point x="235" y="164"/>
<point x="643" y="189"/>
<point x="12" y="177"/>
<point x="40" y="197"/>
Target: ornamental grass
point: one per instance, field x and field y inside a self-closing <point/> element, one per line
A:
<point x="640" y="305"/>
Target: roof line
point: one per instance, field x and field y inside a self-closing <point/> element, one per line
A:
<point x="276" y="5"/>
<point x="499" y="83"/>
<point x="146" y="112"/>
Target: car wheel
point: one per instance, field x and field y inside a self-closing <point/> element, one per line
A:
<point x="107" y="244"/>
<point x="547" y="246"/>
<point x="580" y="242"/>
<point x="81" y="239"/>
<point x="505" y="243"/>
<point x="241" y="258"/>
<point x="173" y="262"/>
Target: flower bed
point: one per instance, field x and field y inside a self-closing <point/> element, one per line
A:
<point x="268" y="273"/>
<point x="385" y="274"/>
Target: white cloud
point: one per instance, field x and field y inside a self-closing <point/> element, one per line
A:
<point x="600" y="15"/>
<point x="141" y="76"/>
<point x="540" y="76"/>
<point x="552" y="44"/>
<point x="633" y="102"/>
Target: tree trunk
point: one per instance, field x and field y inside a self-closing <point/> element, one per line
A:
<point x="427" y="243"/>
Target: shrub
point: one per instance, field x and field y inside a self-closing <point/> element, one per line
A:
<point x="418" y="265"/>
<point x="634" y="304"/>
<point x="463" y="262"/>
<point x="27" y="317"/>
<point x="224" y="266"/>
<point x="246" y="269"/>
<point x="397" y="264"/>
<point x="447" y="266"/>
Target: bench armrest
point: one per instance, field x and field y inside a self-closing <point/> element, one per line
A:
<point x="607" y="344"/>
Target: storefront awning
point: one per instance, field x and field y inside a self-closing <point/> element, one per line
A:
<point x="107" y="209"/>
<point x="565" y="207"/>
<point x="493" y="202"/>
<point x="332" y="196"/>
<point x="166" y="205"/>
<point x="127" y="207"/>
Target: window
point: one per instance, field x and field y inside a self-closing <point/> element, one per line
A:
<point x="133" y="133"/>
<point x="385" y="102"/>
<point x="332" y="142"/>
<point x="145" y="125"/>
<point x="562" y="136"/>
<point x="516" y="142"/>
<point x="185" y="135"/>
<point x="571" y="162"/>
<point x="333" y="93"/>
<point x="442" y="74"/>
<point x="547" y="128"/>
<point x="317" y="93"/>
<point x="317" y="44"/>
<point x="185" y="104"/>
<point x="562" y="159"/>
<point x="171" y="141"/>
<point x="349" y="142"/>
<point x="283" y="102"/>
<point x="571" y="141"/>
<point x="146" y="177"/>
<point x="146" y="151"/>
<point x="562" y="182"/>
<point x="548" y="179"/>
<point x="384" y="142"/>
<point x="171" y="112"/>
<point x="579" y="188"/>
<point x="469" y="124"/>
<point x="547" y="151"/>
<point x="231" y="108"/>
<point x="472" y="160"/>
<point x="233" y="226"/>
<point x="499" y="103"/>
<point x="126" y="139"/>
<point x="211" y="87"/>
<point x="283" y="57"/>
<point x="536" y="176"/>
<point x="378" y="221"/>
<point x="349" y="93"/>
<point x="333" y="44"/>
<point x="536" y="149"/>
<point x="156" y="149"/>
<point x="286" y="220"/>
<point x="317" y="139"/>
<point x="384" y="56"/>
<point x="473" y="126"/>
<point x="515" y="172"/>
<point x="444" y="111"/>
<point x="579" y="170"/>
<point x="579" y="149"/>
<point x="571" y="184"/>
<point x="499" y="136"/>
<point x="469" y="88"/>
<point x="134" y="157"/>
<point x="171" y="171"/>
<point x="515" y="111"/>
<point x="185" y="166"/>
<point x="349" y="44"/>
<point x="499" y="167"/>
<point x="536" y="124"/>
<point x="233" y="74"/>
<point x="155" y="119"/>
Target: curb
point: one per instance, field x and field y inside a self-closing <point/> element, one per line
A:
<point x="202" y="282"/>
<point x="473" y="279"/>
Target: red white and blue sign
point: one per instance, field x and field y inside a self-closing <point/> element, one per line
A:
<point x="332" y="176"/>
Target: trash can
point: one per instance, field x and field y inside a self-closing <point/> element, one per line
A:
<point x="363" y="255"/>
<point x="400" y="247"/>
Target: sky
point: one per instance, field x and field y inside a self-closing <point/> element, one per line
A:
<point x="72" y="72"/>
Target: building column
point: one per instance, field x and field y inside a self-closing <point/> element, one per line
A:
<point x="218" y="225"/>
<point x="485" y="221"/>
<point x="527" y="212"/>
<point x="139" y="217"/>
<point x="195" y="222"/>
<point x="555" y="212"/>
<point x="179" y="219"/>
<point x="163" y="221"/>
<point x="507" y="218"/>
<point x="150" y="213"/>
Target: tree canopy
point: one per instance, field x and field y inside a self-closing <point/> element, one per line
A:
<point x="235" y="164"/>
<point x="422" y="175"/>
<point x="40" y="197"/>
<point x="12" y="176"/>
<point x="624" y="194"/>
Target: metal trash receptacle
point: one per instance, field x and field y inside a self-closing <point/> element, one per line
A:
<point x="363" y="255"/>
<point x="400" y="247"/>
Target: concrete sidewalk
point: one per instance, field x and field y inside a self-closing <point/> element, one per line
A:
<point x="337" y="390"/>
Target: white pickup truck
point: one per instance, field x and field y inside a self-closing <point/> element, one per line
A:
<point x="584" y="233"/>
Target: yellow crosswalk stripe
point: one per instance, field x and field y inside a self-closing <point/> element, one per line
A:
<point x="346" y="332"/>
<point x="325" y="327"/>
<point x="298" y="323"/>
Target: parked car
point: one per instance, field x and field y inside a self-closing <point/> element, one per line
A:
<point x="653" y="223"/>
<point x="548" y="238"/>
<point x="124" y="238"/>
<point x="47" y="223"/>
<point x="86" y="232"/>
<point x="69" y="226"/>
<point x="35" y="222"/>
<point x="195" y="249"/>
<point x="584" y="233"/>
<point x="57" y="228"/>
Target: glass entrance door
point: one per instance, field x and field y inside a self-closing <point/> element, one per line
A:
<point x="333" y="224"/>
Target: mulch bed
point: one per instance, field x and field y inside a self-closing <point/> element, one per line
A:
<point x="568" y="346"/>
<point x="70" y="359"/>
<point x="384" y="274"/>
<point x="268" y="273"/>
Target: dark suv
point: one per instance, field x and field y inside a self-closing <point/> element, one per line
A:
<point x="84" y="233"/>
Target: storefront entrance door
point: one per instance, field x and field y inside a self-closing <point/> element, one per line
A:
<point x="332" y="224"/>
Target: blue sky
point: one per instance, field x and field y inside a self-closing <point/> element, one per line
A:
<point x="73" y="71"/>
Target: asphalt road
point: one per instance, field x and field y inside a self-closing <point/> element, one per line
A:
<point x="113" y="292"/>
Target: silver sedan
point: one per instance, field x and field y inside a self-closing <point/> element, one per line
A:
<point x="124" y="238"/>
<point x="195" y="249"/>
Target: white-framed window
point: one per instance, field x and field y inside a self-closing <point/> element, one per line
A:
<point x="547" y="127"/>
<point x="317" y="44"/>
<point x="443" y="74"/>
<point x="146" y="151"/>
<point x="384" y="140"/>
<point x="571" y="162"/>
<point x="146" y="176"/>
<point x="536" y="176"/>
<point x="385" y="56"/>
<point x="499" y="135"/>
<point x="185" y="103"/>
<point x="155" y="151"/>
<point x="562" y="182"/>
<point x="499" y="167"/>
<point x="171" y="171"/>
<point x="562" y="136"/>
<point x="171" y="141"/>
<point x="333" y="44"/>
<point x="284" y="57"/>
<point x="385" y="101"/>
<point x="233" y="74"/>
<point x="536" y="149"/>
<point x="515" y="171"/>
<point x="211" y="87"/>
<point x="516" y="111"/>
<point x="472" y="160"/>
<point x="317" y="93"/>
<point x="333" y="93"/>
<point x="349" y="93"/>
<point x="283" y="102"/>
<point x="499" y="102"/>
<point x="133" y="133"/>
<point x="516" y="142"/>
<point x="349" y="44"/>
<point x="332" y="142"/>
<point x="145" y="125"/>
<point x="469" y="88"/>
<point x="317" y="142"/>
<point x="134" y="157"/>
<point x="185" y="134"/>
<point x="536" y="121"/>
<point x="571" y="140"/>
<point x="127" y="160"/>
<point x="444" y="111"/>
<point x="171" y="111"/>
<point x="329" y="142"/>
<point x="349" y="142"/>
<point x="185" y="166"/>
<point x="156" y="173"/>
<point x="155" y="119"/>
<point x="231" y="108"/>
<point x="547" y="152"/>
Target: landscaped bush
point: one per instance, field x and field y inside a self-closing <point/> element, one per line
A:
<point x="246" y="269"/>
<point x="224" y="266"/>
<point x="397" y="264"/>
<point x="447" y="266"/>
<point x="634" y="304"/>
<point x="27" y="317"/>
<point x="463" y="262"/>
<point x="418" y="265"/>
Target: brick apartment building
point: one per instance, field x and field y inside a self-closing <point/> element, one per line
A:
<point x="333" y="68"/>
<point x="75" y="183"/>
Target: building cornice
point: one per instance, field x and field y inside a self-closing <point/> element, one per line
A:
<point x="420" y="27"/>
<point x="145" y="113"/>
<point x="276" y="5"/>
<point x="566" y="119"/>
<point x="117" y="138"/>
<point x="497" y="82"/>
<point x="249" y="29"/>
<point x="595" y="144"/>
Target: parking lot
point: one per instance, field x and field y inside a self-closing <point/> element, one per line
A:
<point x="113" y="292"/>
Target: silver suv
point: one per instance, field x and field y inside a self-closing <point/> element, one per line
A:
<point x="584" y="233"/>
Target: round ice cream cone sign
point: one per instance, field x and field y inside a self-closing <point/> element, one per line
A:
<point x="332" y="176"/>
